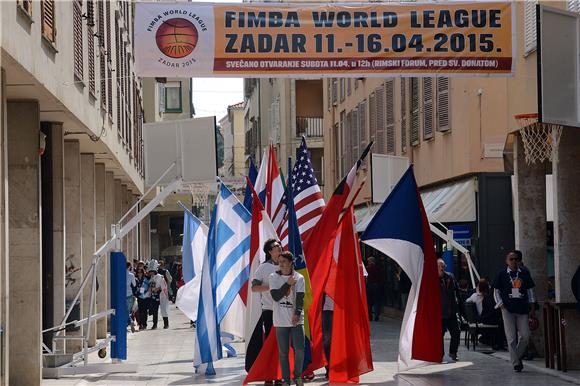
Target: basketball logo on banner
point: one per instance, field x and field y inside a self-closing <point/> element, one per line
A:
<point x="176" y="38"/>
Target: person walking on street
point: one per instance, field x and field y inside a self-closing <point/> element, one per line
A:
<point x="164" y="294"/>
<point x="374" y="289"/>
<point x="156" y="286"/>
<point x="142" y="294"/>
<point x="287" y="289"/>
<point x="131" y="284"/>
<point x="514" y="295"/>
<point x="448" y="292"/>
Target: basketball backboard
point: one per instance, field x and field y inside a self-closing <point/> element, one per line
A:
<point x="190" y="143"/>
<point x="558" y="66"/>
<point x="386" y="171"/>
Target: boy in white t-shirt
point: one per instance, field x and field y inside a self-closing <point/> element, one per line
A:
<point x="287" y="290"/>
<point x="259" y="280"/>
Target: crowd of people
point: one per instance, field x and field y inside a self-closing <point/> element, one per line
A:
<point x="150" y="288"/>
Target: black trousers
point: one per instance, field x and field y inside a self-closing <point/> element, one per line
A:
<point x="143" y="308"/>
<point x="154" y="310"/>
<point x="327" y="332"/>
<point x="259" y="335"/>
<point x="451" y="325"/>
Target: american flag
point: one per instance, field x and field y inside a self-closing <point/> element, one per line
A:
<point x="308" y="199"/>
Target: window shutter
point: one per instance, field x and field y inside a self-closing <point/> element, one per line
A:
<point x="91" y="54"/>
<point x="380" y="113"/>
<point x="390" y="110"/>
<point x="78" y="38"/>
<point x="48" y="20"/>
<point x="342" y="142"/>
<point x="373" y="117"/>
<point x="348" y="86"/>
<point x="428" y="119"/>
<point x="342" y="89"/>
<point x="334" y="91"/>
<point x="403" y="115"/>
<point x="574" y="5"/>
<point x="362" y="117"/>
<point x="109" y="59"/>
<point x="161" y="88"/>
<point x="355" y="136"/>
<point x="90" y="13"/>
<point x="443" y="122"/>
<point x="328" y="93"/>
<point x="337" y="148"/>
<point x="101" y="50"/>
<point x="529" y="26"/>
<point x="25" y="5"/>
<point x="414" y="111"/>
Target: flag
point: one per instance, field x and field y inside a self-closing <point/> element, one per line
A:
<point x="267" y="365"/>
<point x="225" y="271"/>
<point x="232" y="249"/>
<point x="252" y="175"/>
<point x="350" y="350"/>
<point x="269" y="184"/>
<point x="207" y="346"/>
<point x="308" y="200"/>
<point x="194" y="245"/>
<point x="262" y="230"/>
<point x="318" y="249"/>
<point x="401" y="231"/>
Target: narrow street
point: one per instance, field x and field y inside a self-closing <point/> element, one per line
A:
<point x="165" y="359"/>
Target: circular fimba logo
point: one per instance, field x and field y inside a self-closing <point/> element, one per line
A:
<point x="176" y="37"/>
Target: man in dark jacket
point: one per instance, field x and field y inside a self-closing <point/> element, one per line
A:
<point x="448" y="291"/>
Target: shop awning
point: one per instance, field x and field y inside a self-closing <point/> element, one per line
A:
<point x="453" y="202"/>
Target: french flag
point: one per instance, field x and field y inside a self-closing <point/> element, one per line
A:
<point x="400" y="230"/>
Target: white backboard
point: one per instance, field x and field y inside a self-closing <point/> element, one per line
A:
<point x="386" y="171"/>
<point x="558" y="66"/>
<point x="190" y="143"/>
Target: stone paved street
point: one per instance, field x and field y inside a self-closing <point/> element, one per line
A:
<point x="165" y="358"/>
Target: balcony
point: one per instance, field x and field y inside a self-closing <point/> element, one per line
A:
<point x="309" y="127"/>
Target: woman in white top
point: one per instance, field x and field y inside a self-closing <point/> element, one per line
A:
<point x="287" y="290"/>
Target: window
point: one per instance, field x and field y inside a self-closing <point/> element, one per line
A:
<point x="362" y="118"/>
<point x="48" y="20"/>
<point x="342" y="89"/>
<point x="25" y="6"/>
<point x="348" y="86"/>
<point x="428" y="111"/>
<point x="529" y="26"/>
<point x="372" y="117"/>
<point x="334" y="91"/>
<point x="443" y="122"/>
<point x="78" y="38"/>
<point x="173" y="97"/>
<point x="403" y="115"/>
<point x="342" y="151"/>
<point x="109" y="60"/>
<point x="414" y="111"/>
<point x="102" y="53"/>
<point x="381" y="145"/>
<point x="337" y="158"/>
<point x="328" y="93"/>
<point x="573" y="5"/>
<point x="390" y="115"/>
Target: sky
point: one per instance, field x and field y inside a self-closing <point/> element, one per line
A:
<point x="212" y="96"/>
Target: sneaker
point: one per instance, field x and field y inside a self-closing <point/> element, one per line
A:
<point x="518" y="368"/>
<point x="154" y="327"/>
<point x="298" y="381"/>
<point x="453" y="357"/>
<point x="309" y="377"/>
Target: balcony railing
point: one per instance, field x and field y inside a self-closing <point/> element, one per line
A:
<point x="309" y="126"/>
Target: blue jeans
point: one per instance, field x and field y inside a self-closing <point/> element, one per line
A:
<point x="130" y="300"/>
<point x="284" y="335"/>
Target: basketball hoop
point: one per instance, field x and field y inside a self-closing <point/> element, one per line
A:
<point x="540" y="139"/>
<point x="199" y="193"/>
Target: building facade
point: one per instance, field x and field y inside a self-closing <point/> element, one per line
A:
<point x="72" y="157"/>
<point x="281" y="111"/>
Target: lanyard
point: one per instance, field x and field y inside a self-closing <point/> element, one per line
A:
<point x="512" y="280"/>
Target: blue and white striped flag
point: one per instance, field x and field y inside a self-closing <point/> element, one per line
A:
<point x="225" y="271"/>
<point x="194" y="245"/>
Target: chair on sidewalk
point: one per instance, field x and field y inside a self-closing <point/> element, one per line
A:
<point x="474" y="327"/>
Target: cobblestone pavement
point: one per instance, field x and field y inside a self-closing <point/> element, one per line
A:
<point x="165" y="358"/>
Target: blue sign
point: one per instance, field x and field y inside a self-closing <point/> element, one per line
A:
<point x="461" y="231"/>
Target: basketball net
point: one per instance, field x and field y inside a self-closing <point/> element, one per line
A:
<point x="199" y="193"/>
<point x="540" y="139"/>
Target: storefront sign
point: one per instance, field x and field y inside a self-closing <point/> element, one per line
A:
<point x="323" y="40"/>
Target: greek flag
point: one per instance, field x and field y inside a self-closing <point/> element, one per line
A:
<point x="225" y="271"/>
